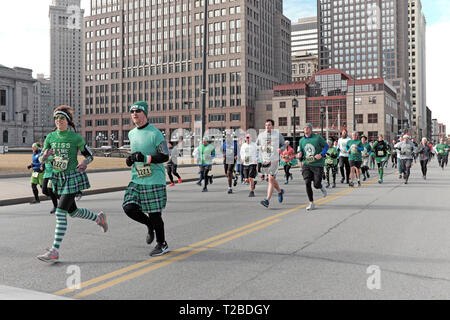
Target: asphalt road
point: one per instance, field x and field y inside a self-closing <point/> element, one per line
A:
<point x="387" y="241"/>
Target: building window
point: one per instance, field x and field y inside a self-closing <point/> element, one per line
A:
<point x="173" y="119"/>
<point x="2" y="97"/>
<point x="268" y="107"/>
<point x="282" y="121"/>
<point x="5" y="136"/>
<point x="359" y="118"/>
<point x="372" y="118"/>
<point x="372" y="135"/>
<point x="372" y="100"/>
<point x="235" y="117"/>
<point x="88" y="123"/>
<point x="297" y="121"/>
<point x="282" y="104"/>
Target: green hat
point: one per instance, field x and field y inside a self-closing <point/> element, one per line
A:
<point x="141" y="105"/>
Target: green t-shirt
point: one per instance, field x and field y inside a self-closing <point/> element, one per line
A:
<point x="48" y="168"/>
<point x="354" y="153"/>
<point x="366" y="151"/>
<point x="65" y="145"/>
<point x="442" y="149"/>
<point x="310" y="147"/>
<point x="146" y="141"/>
<point x="329" y="160"/>
<point x="207" y="153"/>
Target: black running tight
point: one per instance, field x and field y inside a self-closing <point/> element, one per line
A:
<point x="153" y="221"/>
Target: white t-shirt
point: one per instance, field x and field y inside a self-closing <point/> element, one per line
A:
<point x="342" y="144"/>
<point x="249" y="154"/>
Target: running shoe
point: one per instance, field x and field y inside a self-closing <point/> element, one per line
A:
<point x="35" y="202"/>
<point x="51" y="256"/>
<point x="160" y="249"/>
<point x="210" y="179"/>
<point x="380" y="181"/>
<point x="251" y="194"/>
<point x="280" y="196"/>
<point x="265" y="203"/>
<point x="424" y="177"/>
<point x="333" y="185"/>
<point x="364" y="178"/>
<point x="311" y="206"/>
<point x="199" y="183"/>
<point x="230" y="191"/>
<point x="328" y="185"/>
<point x="359" y="183"/>
<point x="235" y="181"/>
<point x="53" y="211"/>
<point x="368" y="175"/>
<point x="205" y="190"/>
<point x="291" y="176"/>
<point x="351" y="184"/>
<point x="79" y="195"/>
<point x="324" y="191"/>
<point x="179" y="180"/>
<point x="287" y="182"/>
<point x="172" y="184"/>
<point x="102" y="221"/>
<point x="400" y="176"/>
<point x="150" y="236"/>
<point x="342" y="180"/>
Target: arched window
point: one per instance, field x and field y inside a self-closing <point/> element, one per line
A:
<point x="5" y="136"/>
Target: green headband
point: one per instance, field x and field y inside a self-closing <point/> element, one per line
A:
<point x="36" y="146"/>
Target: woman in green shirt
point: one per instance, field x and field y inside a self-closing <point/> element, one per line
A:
<point x="68" y="177"/>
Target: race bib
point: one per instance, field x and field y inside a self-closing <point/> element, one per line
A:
<point x="247" y="160"/>
<point x="143" y="170"/>
<point x="329" y="161"/>
<point x="230" y="152"/>
<point x="35" y="174"/>
<point x="380" y="153"/>
<point x="59" y="163"/>
<point x="310" y="159"/>
<point x="354" y="148"/>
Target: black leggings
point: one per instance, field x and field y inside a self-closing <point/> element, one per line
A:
<point x="153" y="221"/>
<point x="205" y="171"/>
<point x="310" y="175"/>
<point x="343" y="162"/>
<point x="35" y="191"/>
<point x="406" y="166"/>
<point x="172" y="168"/>
<point x="423" y="165"/>
<point x="67" y="203"/>
<point x="287" y="174"/>
<point x="49" y="191"/>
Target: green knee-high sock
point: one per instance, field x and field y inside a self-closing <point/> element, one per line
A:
<point x="84" y="214"/>
<point x="380" y="172"/>
<point x="61" y="228"/>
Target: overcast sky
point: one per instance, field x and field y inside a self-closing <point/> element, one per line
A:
<point x="24" y="38"/>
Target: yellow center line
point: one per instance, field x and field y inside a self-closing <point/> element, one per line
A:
<point x="200" y="243"/>
<point x="167" y="262"/>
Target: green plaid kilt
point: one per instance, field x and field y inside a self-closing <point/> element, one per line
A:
<point x="70" y="182"/>
<point x="151" y="198"/>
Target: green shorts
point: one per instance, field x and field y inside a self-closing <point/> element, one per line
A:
<point x="151" y="198"/>
<point x="70" y="182"/>
<point x="37" y="180"/>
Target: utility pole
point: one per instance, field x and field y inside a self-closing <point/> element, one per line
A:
<point x="205" y="51"/>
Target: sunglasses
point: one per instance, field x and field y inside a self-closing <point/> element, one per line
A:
<point x="136" y="111"/>
<point x="59" y="117"/>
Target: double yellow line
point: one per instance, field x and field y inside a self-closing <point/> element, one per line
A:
<point x="151" y="264"/>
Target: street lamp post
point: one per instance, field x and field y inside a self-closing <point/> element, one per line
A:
<point x="322" y="117"/>
<point x="205" y="50"/>
<point x="294" y="106"/>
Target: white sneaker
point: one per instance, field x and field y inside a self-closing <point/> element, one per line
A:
<point x="311" y="206"/>
<point x="324" y="191"/>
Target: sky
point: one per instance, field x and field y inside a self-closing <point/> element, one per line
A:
<point x="24" y="35"/>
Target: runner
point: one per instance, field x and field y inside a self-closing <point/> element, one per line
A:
<point x="380" y="151"/>
<point x="354" y="147"/>
<point x="230" y="153"/>
<point x="206" y="153"/>
<point x="47" y="185"/>
<point x="146" y="194"/>
<point x="424" y="151"/>
<point x="407" y="150"/>
<point x="400" y="169"/>
<point x="69" y="177"/>
<point x="288" y="160"/>
<point x="272" y="144"/>
<point x="365" y="157"/>
<point x="442" y="153"/>
<point x="313" y="150"/>
<point x="331" y="163"/>
<point x="38" y="174"/>
<point x="172" y="164"/>
<point x="343" y="156"/>
<point x="372" y="156"/>
<point x="249" y="160"/>
<point x="394" y="154"/>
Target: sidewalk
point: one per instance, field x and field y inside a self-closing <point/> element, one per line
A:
<point x="18" y="190"/>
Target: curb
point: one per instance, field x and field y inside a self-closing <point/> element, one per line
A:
<point x="23" y="200"/>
